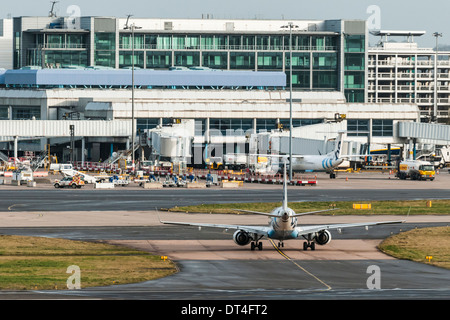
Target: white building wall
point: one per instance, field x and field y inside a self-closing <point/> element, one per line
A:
<point x="6" y="43"/>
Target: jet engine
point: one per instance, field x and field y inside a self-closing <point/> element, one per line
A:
<point x="241" y="238"/>
<point x="323" y="237"/>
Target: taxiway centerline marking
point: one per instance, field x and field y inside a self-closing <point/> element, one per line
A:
<point x="299" y="266"/>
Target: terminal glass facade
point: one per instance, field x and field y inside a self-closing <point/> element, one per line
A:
<point x="355" y="68"/>
<point x="323" y="57"/>
<point x="105" y="53"/>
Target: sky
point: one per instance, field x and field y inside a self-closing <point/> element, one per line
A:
<point x="418" y="15"/>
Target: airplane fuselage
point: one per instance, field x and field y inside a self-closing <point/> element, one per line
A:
<point x="283" y="226"/>
<point x="316" y="163"/>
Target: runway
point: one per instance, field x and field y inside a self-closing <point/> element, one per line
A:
<point x="138" y="199"/>
<point x="211" y="266"/>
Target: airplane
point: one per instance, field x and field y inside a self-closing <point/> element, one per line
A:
<point x="328" y="162"/>
<point x="283" y="226"/>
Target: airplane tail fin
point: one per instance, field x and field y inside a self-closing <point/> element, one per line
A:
<point x="338" y="146"/>
<point x="285" y="199"/>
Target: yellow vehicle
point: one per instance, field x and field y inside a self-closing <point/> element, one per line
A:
<point x="416" y="170"/>
<point x="215" y="163"/>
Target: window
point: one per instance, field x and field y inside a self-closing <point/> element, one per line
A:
<point x="159" y="59"/>
<point x="126" y="41"/>
<point x="325" y="61"/>
<point x="299" y="122"/>
<point x="105" y="45"/>
<point x="354" y="80"/>
<point x="4" y="113"/>
<point x="76" y="41"/>
<point x="265" y="125"/>
<point x="126" y="59"/>
<point x="231" y="127"/>
<point x="382" y="128"/>
<point x="355" y="43"/>
<point x="355" y="61"/>
<point x="144" y="124"/>
<point x="187" y="59"/>
<point x="200" y="127"/>
<point x="358" y="128"/>
<point x="318" y="43"/>
<point x="164" y="42"/>
<point x="55" y="41"/>
<point x="299" y="60"/>
<point x="355" y="96"/>
<point x="270" y="60"/>
<point x="325" y="80"/>
<point x="65" y="58"/>
<point x="105" y="41"/>
<point x="276" y="43"/>
<point x="214" y="42"/>
<point x="215" y="60"/>
<point x="105" y="58"/>
<point x="26" y="113"/>
<point x="300" y="79"/>
<point x="298" y="42"/>
<point x="262" y="42"/>
<point x="242" y="60"/>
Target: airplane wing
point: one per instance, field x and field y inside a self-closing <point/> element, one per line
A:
<point x="278" y="156"/>
<point x="304" y="230"/>
<point x="260" y="230"/>
<point x="277" y="216"/>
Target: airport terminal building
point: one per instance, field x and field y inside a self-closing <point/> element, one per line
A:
<point x="231" y="76"/>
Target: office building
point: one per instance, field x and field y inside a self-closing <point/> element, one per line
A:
<point x="327" y="55"/>
<point x="401" y="72"/>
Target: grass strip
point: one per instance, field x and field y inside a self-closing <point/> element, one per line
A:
<point x="426" y="245"/>
<point x="414" y="207"/>
<point x="28" y="263"/>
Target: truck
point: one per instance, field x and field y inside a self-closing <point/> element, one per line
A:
<point x="235" y="161"/>
<point x="416" y="170"/>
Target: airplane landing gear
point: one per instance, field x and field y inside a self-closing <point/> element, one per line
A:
<point x="308" y="244"/>
<point x="280" y="244"/>
<point x="256" y="244"/>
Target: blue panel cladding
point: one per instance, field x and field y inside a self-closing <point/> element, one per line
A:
<point x="67" y="77"/>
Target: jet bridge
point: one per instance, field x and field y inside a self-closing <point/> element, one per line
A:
<point x="426" y="132"/>
<point x="13" y="130"/>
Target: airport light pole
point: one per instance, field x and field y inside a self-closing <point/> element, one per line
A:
<point x="434" y="118"/>
<point x="133" y="130"/>
<point x="290" y="25"/>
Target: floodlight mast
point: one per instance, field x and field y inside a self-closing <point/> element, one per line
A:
<point x="434" y="118"/>
<point x="290" y="25"/>
<point x="133" y="130"/>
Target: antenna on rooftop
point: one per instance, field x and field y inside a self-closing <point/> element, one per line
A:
<point x="52" y="12"/>
<point x="128" y="20"/>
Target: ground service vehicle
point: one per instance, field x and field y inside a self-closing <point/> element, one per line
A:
<point x="215" y="163"/>
<point x="416" y="170"/>
<point x="72" y="182"/>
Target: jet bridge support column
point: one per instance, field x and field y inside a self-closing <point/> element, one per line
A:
<point x="83" y="150"/>
<point x="16" y="138"/>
